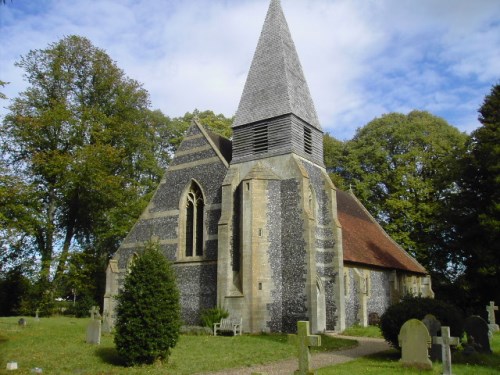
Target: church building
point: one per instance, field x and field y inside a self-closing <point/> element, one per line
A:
<point x="255" y="225"/>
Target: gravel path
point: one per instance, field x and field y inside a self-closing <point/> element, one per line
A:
<point x="366" y="346"/>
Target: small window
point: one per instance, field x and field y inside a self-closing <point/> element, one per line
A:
<point x="260" y="139"/>
<point x="307" y="141"/>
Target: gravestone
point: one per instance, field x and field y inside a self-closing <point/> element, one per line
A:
<point x="22" y="322"/>
<point x="106" y="324"/>
<point x="94" y="327"/>
<point x="477" y="331"/>
<point x="414" y="340"/>
<point x="445" y="341"/>
<point x="492" y="324"/>
<point x="373" y="319"/>
<point x="434" y="327"/>
<point x="303" y="340"/>
<point x="37" y="318"/>
<point x="12" y="366"/>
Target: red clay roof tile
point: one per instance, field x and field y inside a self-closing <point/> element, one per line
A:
<point x="365" y="242"/>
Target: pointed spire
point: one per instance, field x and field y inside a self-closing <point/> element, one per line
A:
<point x="275" y="84"/>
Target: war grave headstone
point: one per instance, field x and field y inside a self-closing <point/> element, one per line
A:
<point x="94" y="327"/>
<point x="445" y="341"/>
<point x="414" y="340"/>
<point x="434" y="327"/>
<point x="304" y="340"/>
<point x="477" y="331"/>
<point x="492" y="324"/>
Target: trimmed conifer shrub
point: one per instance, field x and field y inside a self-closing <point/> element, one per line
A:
<point x="148" y="310"/>
<point x="417" y="308"/>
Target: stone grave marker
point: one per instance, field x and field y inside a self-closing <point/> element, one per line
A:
<point x="445" y="341"/>
<point x="12" y="366"/>
<point x="303" y="340"/>
<point x="94" y="327"/>
<point x="477" y="331"/>
<point x="415" y="341"/>
<point x="492" y="324"/>
<point x="37" y="318"/>
<point x="22" y="322"/>
<point x="433" y="326"/>
<point x="106" y="324"/>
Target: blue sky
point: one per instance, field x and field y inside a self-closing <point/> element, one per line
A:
<point x="361" y="58"/>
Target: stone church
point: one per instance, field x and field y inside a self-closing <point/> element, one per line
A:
<point x="256" y="226"/>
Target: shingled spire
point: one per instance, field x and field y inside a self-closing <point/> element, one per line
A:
<point x="275" y="85"/>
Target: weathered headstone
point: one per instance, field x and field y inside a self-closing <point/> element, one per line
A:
<point x="22" y="322"/>
<point x="303" y="340"/>
<point x="94" y="327"/>
<point x="477" y="331"/>
<point x="415" y="341"/>
<point x="492" y="324"/>
<point x="373" y="319"/>
<point x="433" y="326"/>
<point x="106" y="324"/>
<point x="445" y="341"/>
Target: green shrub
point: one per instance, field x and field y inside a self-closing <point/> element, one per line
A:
<point x="416" y="308"/>
<point x="148" y="310"/>
<point x="213" y="315"/>
<point x="82" y="306"/>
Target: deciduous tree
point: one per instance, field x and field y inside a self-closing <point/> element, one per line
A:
<point x="478" y="206"/>
<point x="82" y="141"/>
<point x="404" y="169"/>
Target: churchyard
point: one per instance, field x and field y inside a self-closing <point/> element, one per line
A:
<point x="58" y="346"/>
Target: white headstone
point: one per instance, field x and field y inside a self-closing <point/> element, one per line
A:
<point x="11" y="366"/>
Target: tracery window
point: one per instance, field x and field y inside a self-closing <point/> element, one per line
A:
<point x="195" y="207"/>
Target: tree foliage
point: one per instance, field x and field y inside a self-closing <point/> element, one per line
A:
<point x="477" y="210"/>
<point x="417" y="308"/>
<point x="148" y="311"/>
<point x="404" y="169"/>
<point x="86" y="151"/>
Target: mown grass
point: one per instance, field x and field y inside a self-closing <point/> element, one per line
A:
<point x="57" y="346"/>
<point x="357" y="330"/>
<point x="387" y="363"/>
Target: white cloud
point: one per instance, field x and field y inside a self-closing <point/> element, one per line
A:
<point x="362" y="58"/>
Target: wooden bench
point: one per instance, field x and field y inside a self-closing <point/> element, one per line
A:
<point x="228" y="325"/>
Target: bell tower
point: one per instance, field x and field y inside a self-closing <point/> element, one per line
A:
<point x="277" y="234"/>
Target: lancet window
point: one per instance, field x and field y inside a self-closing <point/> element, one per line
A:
<point x="194" y="210"/>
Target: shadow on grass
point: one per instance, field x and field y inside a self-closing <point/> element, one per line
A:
<point x="110" y="356"/>
<point x="484" y="360"/>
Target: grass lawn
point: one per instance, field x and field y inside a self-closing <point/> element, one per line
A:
<point x="387" y="363"/>
<point x="57" y="346"/>
<point x="370" y="331"/>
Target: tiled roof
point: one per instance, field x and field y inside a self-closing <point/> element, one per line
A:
<point x="365" y="242"/>
<point x="275" y="84"/>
